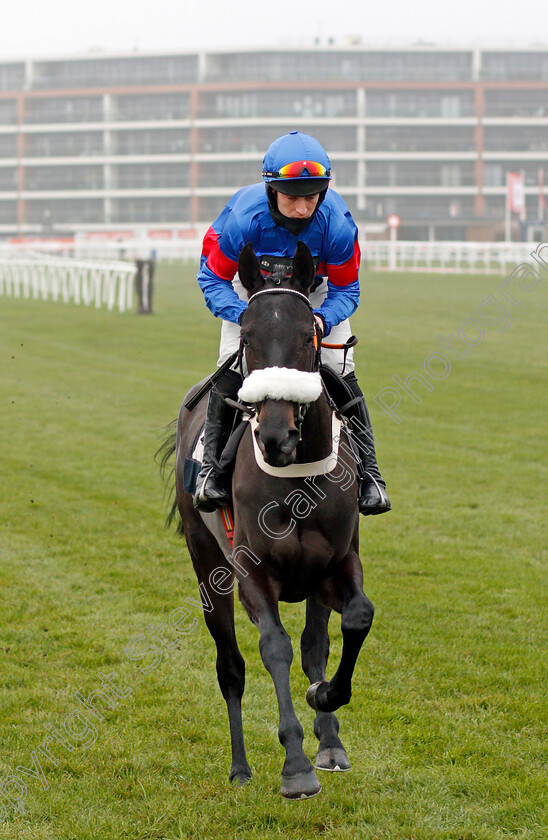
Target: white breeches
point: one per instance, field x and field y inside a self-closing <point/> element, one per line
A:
<point x="230" y="333"/>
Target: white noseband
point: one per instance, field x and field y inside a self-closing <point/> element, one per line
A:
<point x="281" y="383"/>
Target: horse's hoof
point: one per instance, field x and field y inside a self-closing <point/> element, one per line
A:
<point x="240" y="778"/>
<point x="311" y="695"/>
<point x="302" y="786"/>
<point x="334" y="759"/>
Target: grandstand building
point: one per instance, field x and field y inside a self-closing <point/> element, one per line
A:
<point x="159" y="141"/>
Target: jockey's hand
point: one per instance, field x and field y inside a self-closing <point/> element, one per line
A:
<point x="320" y="323"/>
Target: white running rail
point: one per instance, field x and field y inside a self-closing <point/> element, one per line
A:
<point x="50" y="277"/>
<point x="448" y="257"/>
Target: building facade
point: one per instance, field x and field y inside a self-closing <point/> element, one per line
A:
<point x="161" y="140"/>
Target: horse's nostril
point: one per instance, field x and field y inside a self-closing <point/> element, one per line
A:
<point x="290" y="442"/>
<point x="278" y="447"/>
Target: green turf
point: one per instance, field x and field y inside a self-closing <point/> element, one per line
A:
<point x="446" y="728"/>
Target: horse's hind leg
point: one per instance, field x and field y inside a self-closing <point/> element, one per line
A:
<point x="357" y="611"/>
<point x="206" y="557"/>
<point x="331" y="754"/>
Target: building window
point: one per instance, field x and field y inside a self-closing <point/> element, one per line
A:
<point x="109" y="72"/>
<point x="153" y="106"/>
<point x="8" y="212"/>
<point x="8" y="146"/>
<point x="151" y="209"/>
<point x="528" y="138"/>
<point x="64" y="109"/>
<point x="420" y="103"/>
<point x="63" y="178"/>
<point x="64" y="144"/>
<point x="150" y="176"/>
<point x="450" y="175"/>
<point x="64" y="211"/>
<point x="12" y="76"/>
<point x="8" y="112"/>
<point x="172" y="141"/>
<point x="515" y="66"/>
<point x="8" y="178"/>
<point x="516" y="103"/>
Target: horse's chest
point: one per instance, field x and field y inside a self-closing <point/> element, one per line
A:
<point x="299" y="571"/>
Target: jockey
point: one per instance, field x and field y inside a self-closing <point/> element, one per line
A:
<point x="295" y="205"/>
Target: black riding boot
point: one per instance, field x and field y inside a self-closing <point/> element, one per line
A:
<point x="372" y="494"/>
<point x="210" y="490"/>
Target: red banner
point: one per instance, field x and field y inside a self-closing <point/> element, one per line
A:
<point x="107" y="235"/>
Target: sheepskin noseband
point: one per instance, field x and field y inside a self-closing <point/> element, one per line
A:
<point x="281" y="383"/>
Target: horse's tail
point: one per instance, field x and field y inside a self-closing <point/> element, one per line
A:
<point x="164" y="458"/>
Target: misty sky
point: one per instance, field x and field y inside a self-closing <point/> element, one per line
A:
<point x="67" y="27"/>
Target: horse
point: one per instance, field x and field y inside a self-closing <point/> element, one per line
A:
<point x="293" y="540"/>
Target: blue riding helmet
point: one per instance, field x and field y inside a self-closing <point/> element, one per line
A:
<point x="296" y="164"/>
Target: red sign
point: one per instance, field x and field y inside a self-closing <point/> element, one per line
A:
<point x="160" y="234"/>
<point x="393" y="221"/>
<point x="102" y="235"/>
<point x="29" y="240"/>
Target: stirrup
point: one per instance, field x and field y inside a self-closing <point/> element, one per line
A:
<point x="203" y="502"/>
<point x="382" y="506"/>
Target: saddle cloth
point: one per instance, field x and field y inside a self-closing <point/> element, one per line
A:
<point x="193" y="463"/>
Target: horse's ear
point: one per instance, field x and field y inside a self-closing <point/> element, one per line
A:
<point x="303" y="268"/>
<point x="248" y="269"/>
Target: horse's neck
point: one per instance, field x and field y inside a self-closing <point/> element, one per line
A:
<point x="316" y="441"/>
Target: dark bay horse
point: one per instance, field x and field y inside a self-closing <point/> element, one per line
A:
<point x="295" y="539"/>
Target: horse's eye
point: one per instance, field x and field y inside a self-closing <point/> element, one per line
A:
<point x="245" y="341"/>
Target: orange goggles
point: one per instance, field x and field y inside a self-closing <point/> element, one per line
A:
<point x="300" y="167"/>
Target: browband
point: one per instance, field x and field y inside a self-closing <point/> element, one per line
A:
<point x="281" y="292"/>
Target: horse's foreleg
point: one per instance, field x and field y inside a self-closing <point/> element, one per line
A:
<point x="299" y="781"/>
<point x="206" y="558"/>
<point x="231" y="678"/>
<point x="356" y="619"/>
<point x="331" y="754"/>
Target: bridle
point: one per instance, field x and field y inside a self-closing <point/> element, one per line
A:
<point x="302" y="408"/>
<point x="318" y="343"/>
<point x="305" y="299"/>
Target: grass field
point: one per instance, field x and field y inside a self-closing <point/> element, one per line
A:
<point x="447" y="725"/>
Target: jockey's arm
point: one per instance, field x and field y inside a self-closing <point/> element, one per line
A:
<point x="217" y="270"/>
<point x="340" y="303"/>
<point x="220" y="297"/>
<point x="343" y="286"/>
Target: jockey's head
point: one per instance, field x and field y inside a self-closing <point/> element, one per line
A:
<point x="296" y="171"/>
<point x="296" y="164"/>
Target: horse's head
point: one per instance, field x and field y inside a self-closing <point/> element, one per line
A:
<point x="280" y="341"/>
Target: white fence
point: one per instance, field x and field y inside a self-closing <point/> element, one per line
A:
<point x="379" y="255"/>
<point x="107" y="279"/>
<point x="444" y="257"/>
<point x="50" y="277"/>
